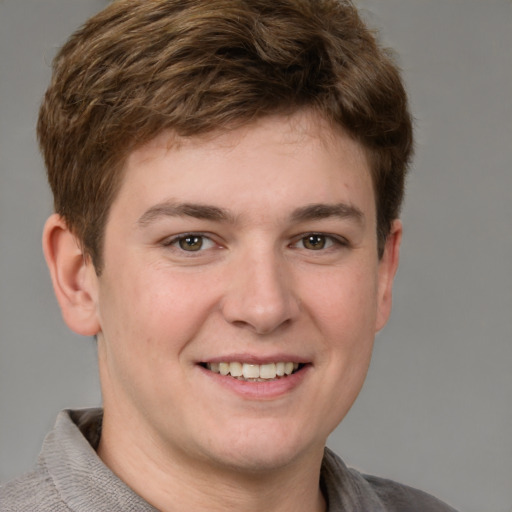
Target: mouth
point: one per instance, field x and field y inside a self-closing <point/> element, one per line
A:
<point x="250" y="372"/>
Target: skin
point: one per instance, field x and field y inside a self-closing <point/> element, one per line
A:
<point x="257" y="290"/>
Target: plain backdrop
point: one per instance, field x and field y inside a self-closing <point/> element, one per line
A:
<point x="436" y="410"/>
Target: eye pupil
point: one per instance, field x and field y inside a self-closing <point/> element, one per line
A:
<point x="191" y="243"/>
<point x="314" y="242"/>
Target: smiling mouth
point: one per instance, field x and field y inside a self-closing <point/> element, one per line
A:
<point x="254" y="372"/>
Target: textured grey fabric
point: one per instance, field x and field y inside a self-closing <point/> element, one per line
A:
<point x="347" y="490"/>
<point x="69" y="476"/>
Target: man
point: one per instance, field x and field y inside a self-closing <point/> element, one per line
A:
<point x="227" y="179"/>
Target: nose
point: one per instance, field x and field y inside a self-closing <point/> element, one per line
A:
<point x="260" y="294"/>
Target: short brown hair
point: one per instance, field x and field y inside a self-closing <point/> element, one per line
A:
<point x="140" y="67"/>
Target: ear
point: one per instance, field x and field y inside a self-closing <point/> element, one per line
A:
<point x="388" y="266"/>
<point x="74" y="280"/>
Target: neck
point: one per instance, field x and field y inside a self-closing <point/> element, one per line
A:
<point x="171" y="482"/>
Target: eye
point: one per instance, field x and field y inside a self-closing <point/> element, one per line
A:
<point x="315" y="242"/>
<point x="319" y="242"/>
<point x="191" y="242"/>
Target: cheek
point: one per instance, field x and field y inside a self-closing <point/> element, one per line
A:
<point x="345" y="303"/>
<point x="344" y="311"/>
<point x="151" y="311"/>
<point x="146" y="324"/>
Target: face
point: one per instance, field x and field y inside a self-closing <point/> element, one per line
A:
<point x="241" y="292"/>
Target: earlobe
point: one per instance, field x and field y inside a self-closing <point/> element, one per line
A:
<point x="388" y="266"/>
<point x="73" y="277"/>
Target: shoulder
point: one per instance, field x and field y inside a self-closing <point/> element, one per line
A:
<point x="69" y="475"/>
<point x="347" y="489"/>
<point x="33" y="492"/>
<point x="402" y="498"/>
<point x="42" y="489"/>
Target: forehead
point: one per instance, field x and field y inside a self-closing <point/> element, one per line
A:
<point x="284" y="130"/>
<point x="284" y="158"/>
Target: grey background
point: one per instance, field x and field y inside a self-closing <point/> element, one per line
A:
<point x="436" y="411"/>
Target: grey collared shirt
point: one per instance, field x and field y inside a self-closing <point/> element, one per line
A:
<point x="69" y="476"/>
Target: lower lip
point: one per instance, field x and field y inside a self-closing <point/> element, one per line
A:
<point x="259" y="390"/>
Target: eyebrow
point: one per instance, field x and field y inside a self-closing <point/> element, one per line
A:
<point x="320" y="211"/>
<point x="197" y="211"/>
<point x="309" y="212"/>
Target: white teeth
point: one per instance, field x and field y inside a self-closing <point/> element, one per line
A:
<point x="236" y="369"/>
<point x="268" y="371"/>
<point x="249" y="371"/>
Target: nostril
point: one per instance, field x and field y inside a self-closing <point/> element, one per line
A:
<point x="260" y="297"/>
<point x="262" y="327"/>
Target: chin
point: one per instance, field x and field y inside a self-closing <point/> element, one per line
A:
<point x="263" y="448"/>
<point x="254" y="461"/>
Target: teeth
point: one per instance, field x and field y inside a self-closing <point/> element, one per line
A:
<point x="258" y="372"/>
<point x="251" y="371"/>
<point x="236" y="369"/>
<point x="268" y="371"/>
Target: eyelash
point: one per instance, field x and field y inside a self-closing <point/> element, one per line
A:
<point x="331" y="240"/>
<point x="175" y="241"/>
